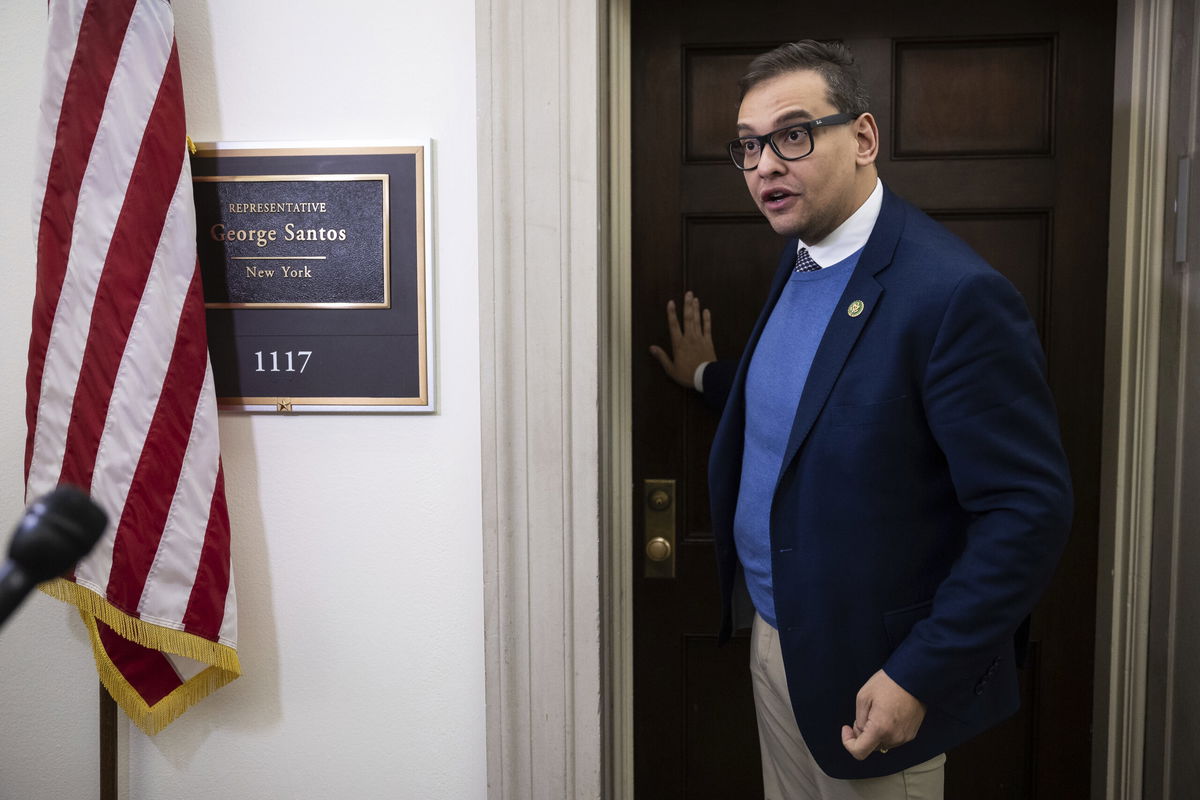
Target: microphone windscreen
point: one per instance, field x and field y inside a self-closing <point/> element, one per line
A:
<point x="57" y="530"/>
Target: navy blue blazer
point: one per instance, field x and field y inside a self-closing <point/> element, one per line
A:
<point x="924" y="497"/>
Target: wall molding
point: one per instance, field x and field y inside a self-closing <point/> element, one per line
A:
<point x="617" y="397"/>
<point x="539" y="138"/>
<point x="1136" y="227"/>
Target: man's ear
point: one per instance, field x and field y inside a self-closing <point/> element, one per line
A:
<point x="866" y="135"/>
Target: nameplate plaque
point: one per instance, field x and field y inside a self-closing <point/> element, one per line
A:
<point x="315" y="262"/>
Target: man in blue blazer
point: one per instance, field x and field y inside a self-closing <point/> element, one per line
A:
<point x="887" y="480"/>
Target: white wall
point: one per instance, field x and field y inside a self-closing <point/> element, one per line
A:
<point x="357" y="538"/>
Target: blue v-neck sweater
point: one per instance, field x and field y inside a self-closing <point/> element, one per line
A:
<point x="778" y="370"/>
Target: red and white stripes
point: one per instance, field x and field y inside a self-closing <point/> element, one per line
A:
<point x="120" y="393"/>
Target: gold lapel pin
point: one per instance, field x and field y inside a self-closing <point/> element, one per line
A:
<point x="855" y="308"/>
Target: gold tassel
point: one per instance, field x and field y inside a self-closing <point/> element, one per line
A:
<point x="222" y="660"/>
<point x="155" y="637"/>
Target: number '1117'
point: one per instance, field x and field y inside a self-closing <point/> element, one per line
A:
<point x="300" y="355"/>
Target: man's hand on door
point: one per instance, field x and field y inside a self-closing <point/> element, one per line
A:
<point x="691" y="342"/>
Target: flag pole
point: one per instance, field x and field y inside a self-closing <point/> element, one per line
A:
<point x="108" y="745"/>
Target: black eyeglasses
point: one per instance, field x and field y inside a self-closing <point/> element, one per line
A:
<point x="791" y="143"/>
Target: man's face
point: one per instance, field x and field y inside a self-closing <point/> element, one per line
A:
<point x="810" y="197"/>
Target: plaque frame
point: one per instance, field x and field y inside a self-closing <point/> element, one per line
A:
<point x="408" y="287"/>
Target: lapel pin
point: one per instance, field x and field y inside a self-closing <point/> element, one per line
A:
<point x="855" y="308"/>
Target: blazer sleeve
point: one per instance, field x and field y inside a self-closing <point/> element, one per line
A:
<point x="990" y="410"/>
<point x="718" y="381"/>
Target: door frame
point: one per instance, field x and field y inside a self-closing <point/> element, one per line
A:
<point x="539" y="191"/>
<point x="556" y="405"/>
<point x="1137" y="223"/>
<point x="1172" y="643"/>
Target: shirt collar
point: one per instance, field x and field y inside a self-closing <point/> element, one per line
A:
<point x="849" y="237"/>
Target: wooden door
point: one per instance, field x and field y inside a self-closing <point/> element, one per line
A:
<point x="995" y="118"/>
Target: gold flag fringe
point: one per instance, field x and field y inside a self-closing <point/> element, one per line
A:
<point x="222" y="660"/>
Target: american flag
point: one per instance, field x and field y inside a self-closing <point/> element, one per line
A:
<point x="120" y="396"/>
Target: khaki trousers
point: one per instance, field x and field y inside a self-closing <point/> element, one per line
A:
<point x="789" y="771"/>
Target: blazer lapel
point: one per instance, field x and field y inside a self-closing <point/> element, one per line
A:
<point x="850" y="316"/>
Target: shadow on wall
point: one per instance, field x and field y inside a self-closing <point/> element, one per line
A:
<point x="252" y="702"/>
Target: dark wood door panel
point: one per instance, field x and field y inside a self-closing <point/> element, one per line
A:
<point x="719" y="695"/>
<point x="729" y="261"/>
<point x="973" y="98"/>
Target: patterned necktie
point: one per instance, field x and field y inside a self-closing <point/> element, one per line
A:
<point x="804" y="262"/>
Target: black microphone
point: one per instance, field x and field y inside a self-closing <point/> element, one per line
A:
<point x="57" y="530"/>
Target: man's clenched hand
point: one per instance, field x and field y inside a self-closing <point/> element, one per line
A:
<point x="886" y="716"/>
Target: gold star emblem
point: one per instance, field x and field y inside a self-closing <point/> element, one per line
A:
<point x="855" y="308"/>
<point x="283" y="405"/>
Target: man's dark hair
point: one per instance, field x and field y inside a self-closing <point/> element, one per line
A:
<point x="832" y="60"/>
